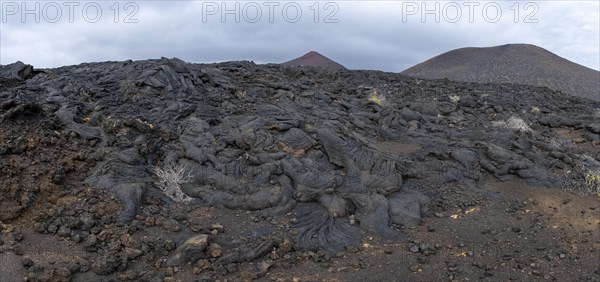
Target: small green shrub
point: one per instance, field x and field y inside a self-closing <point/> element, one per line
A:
<point x="592" y="181"/>
<point x="376" y="98"/>
<point x="584" y="178"/>
<point x="240" y="93"/>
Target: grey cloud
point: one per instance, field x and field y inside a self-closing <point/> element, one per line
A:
<point x="369" y="35"/>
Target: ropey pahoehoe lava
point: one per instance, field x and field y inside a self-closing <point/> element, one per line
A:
<point x="162" y="169"/>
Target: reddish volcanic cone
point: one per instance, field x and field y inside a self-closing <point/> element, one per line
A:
<point x="314" y="59"/>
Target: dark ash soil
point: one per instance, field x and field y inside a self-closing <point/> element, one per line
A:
<point x="297" y="174"/>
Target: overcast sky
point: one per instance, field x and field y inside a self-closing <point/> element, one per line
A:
<point x="380" y="35"/>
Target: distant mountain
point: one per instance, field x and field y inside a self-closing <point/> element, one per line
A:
<point x="512" y="63"/>
<point x="314" y="59"/>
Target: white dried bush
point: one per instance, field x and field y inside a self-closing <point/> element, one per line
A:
<point x="535" y="110"/>
<point x="514" y="123"/>
<point x="560" y="143"/>
<point x="517" y="123"/>
<point x="169" y="180"/>
<point x="454" y="98"/>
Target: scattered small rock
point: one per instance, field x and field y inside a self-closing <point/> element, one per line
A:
<point x="190" y="251"/>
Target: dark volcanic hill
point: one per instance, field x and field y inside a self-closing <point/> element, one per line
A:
<point x="314" y="59"/>
<point x="163" y="170"/>
<point x="512" y="63"/>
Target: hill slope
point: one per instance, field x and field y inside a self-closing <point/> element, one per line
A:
<point x="314" y="59"/>
<point x="512" y="63"/>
